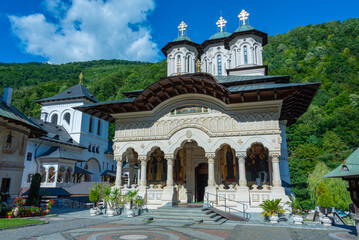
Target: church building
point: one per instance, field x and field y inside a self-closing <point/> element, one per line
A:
<point x="214" y="128"/>
<point x="75" y="148"/>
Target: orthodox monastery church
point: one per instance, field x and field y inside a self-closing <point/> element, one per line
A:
<point x="76" y="147"/>
<point x="214" y="128"/>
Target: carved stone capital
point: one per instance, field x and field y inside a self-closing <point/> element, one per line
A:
<point x="118" y="159"/>
<point x="275" y="156"/>
<point x="142" y="158"/>
<point x="210" y="156"/>
<point x="169" y="158"/>
<point x="241" y="156"/>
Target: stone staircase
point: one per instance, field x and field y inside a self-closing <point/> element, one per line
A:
<point x="185" y="215"/>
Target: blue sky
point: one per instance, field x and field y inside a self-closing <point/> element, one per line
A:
<point x="63" y="30"/>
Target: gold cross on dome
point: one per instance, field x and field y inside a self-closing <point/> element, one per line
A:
<point x="243" y="16"/>
<point x="221" y="23"/>
<point x="182" y="27"/>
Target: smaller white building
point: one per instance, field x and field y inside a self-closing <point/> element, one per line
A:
<point x="76" y="148"/>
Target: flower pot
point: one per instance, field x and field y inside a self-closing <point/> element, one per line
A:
<point x="94" y="211"/>
<point x="110" y="212"/>
<point x="326" y="221"/>
<point x="298" y="219"/>
<point x="16" y="212"/>
<point x="47" y="211"/>
<point x="130" y="213"/>
<point x="8" y="216"/>
<point x="274" y="218"/>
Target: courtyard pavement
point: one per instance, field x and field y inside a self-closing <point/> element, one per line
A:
<point x="74" y="224"/>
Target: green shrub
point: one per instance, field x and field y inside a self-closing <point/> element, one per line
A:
<point x="94" y="197"/>
<point x="325" y="199"/>
<point x="34" y="197"/>
<point x="271" y="207"/>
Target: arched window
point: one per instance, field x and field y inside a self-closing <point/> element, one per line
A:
<point x="29" y="177"/>
<point x="245" y="55"/>
<point x="90" y="124"/>
<point x="206" y="65"/>
<point x="54" y="118"/>
<point x="179" y="64"/>
<point x="99" y="127"/>
<point x="235" y="57"/>
<point x="219" y="60"/>
<point x="255" y="55"/>
<point x="189" y="64"/>
<point x="67" y="117"/>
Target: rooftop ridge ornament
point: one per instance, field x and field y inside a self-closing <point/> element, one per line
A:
<point x="243" y="16"/>
<point x="221" y="23"/>
<point x="80" y="78"/>
<point x="182" y="27"/>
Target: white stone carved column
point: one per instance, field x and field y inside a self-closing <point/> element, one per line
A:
<point x="169" y="158"/>
<point x="275" y="168"/>
<point x="119" y="171"/>
<point x="143" y="179"/>
<point x="211" y="181"/>
<point x="47" y="175"/>
<point x="242" y="169"/>
<point x="169" y="195"/>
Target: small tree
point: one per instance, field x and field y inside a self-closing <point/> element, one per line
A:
<point x="131" y="198"/>
<point x="325" y="199"/>
<point x="340" y="196"/>
<point x="34" y="197"/>
<point x="94" y="197"/>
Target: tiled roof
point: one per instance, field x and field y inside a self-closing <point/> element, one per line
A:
<point x="347" y="169"/>
<point x="113" y="101"/>
<point x="77" y="91"/>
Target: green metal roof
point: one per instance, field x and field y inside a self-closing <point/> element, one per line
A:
<point x="244" y="28"/>
<point x="10" y="112"/>
<point x="220" y="35"/>
<point x="242" y="88"/>
<point x="182" y="38"/>
<point x="229" y="79"/>
<point x="349" y="168"/>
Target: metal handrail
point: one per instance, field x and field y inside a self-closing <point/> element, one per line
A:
<point x="246" y="215"/>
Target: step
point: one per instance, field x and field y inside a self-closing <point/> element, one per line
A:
<point x="179" y="211"/>
<point x="214" y="218"/>
<point x="174" y="214"/>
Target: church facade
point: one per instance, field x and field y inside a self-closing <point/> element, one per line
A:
<point x="213" y="129"/>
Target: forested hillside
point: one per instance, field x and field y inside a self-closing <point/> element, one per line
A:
<point x="327" y="53"/>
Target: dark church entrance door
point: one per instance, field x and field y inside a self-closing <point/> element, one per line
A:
<point x="201" y="181"/>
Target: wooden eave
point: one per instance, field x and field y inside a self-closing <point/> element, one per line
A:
<point x="296" y="98"/>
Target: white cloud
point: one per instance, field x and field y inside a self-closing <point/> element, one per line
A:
<point x="82" y="30"/>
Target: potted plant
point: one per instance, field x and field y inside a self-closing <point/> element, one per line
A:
<point x="9" y="214"/>
<point x="94" y="197"/>
<point x="138" y="203"/>
<point x="297" y="210"/>
<point x="130" y="198"/>
<point x="271" y="208"/>
<point x="112" y="198"/>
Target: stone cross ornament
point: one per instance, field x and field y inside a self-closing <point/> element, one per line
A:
<point x="221" y="23"/>
<point x="182" y="27"/>
<point x="243" y="16"/>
